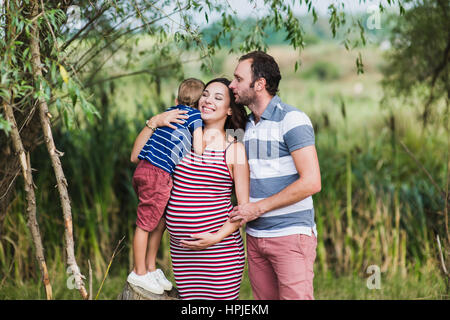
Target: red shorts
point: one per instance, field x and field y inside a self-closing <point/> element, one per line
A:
<point x="153" y="186"/>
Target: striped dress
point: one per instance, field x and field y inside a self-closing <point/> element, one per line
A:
<point x="201" y="202"/>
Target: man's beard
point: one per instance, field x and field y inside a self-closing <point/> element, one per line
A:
<point x="246" y="98"/>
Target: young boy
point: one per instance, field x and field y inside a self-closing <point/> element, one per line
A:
<point x="152" y="182"/>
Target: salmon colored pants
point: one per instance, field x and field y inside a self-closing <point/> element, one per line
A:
<point x="281" y="268"/>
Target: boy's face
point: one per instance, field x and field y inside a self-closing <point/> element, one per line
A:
<point x="242" y="84"/>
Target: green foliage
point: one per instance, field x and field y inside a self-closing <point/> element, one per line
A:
<point x="418" y="65"/>
<point x="4" y="125"/>
<point x="271" y="35"/>
<point x="323" y="71"/>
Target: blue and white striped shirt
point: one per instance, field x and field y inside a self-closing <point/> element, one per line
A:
<point x="166" y="147"/>
<point x="268" y="144"/>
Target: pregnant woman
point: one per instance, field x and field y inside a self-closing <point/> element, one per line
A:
<point x="206" y="248"/>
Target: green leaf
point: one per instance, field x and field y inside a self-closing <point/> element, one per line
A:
<point x="5" y="125"/>
<point x="359" y="64"/>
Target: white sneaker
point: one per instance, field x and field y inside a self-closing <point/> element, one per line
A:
<point x="162" y="280"/>
<point x="145" y="282"/>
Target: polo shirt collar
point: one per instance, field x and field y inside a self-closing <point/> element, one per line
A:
<point x="267" y="114"/>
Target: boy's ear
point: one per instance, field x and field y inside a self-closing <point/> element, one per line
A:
<point x="176" y="101"/>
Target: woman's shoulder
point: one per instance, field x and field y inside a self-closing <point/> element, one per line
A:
<point x="236" y="152"/>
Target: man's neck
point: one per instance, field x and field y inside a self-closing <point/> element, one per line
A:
<point x="260" y="105"/>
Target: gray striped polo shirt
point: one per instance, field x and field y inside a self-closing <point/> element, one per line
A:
<point x="269" y="143"/>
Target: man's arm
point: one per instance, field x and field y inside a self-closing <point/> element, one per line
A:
<point x="309" y="183"/>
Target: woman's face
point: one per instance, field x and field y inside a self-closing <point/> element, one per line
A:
<point x="214" y="104"/>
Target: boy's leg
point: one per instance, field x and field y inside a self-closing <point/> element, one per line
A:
<point x="153" y="245"/>
<point x="139" y="250"/>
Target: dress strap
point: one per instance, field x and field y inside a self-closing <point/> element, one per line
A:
<point x="229" y="145"/>
<point x="225" y="158"/>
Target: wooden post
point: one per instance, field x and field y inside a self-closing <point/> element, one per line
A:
<point x="131" y="292"/>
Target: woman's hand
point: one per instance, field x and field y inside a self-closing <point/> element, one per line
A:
<point x="167" y="118"/>
<point x="203" y="241"/>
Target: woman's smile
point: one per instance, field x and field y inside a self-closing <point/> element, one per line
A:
<point x="207" y="109"/>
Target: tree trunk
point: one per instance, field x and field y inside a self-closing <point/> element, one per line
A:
<point x="131" y="292"/>
<point x="54" y="156"/>
<point x="31" y="198"/>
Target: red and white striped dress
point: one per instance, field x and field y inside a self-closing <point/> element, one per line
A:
<point x="201" y="202"/>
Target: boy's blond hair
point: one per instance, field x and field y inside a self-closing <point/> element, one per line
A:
<point x="190" y="91"/>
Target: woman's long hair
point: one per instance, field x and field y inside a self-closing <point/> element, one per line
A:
<point x="238" y="118"/>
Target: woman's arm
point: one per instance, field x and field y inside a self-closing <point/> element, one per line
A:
<point x="240" y="173"/>
<point x="197" y="141"/>
<point x="159" y="120"/>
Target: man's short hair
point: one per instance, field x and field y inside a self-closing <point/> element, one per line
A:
<point x="190" y="91"/>
<point x="264" y="66"/>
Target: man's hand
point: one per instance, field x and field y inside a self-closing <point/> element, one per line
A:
<point x="246" y="212"/>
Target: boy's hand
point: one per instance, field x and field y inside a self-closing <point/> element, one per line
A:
<point x="166" y="118"/>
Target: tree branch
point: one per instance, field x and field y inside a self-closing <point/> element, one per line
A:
<point x="78" y="68"/>
<point x="54" y="155"/>
<point x="135" y="73"/>
<point x="87" y="25"/>
<point x="30" y="196"/>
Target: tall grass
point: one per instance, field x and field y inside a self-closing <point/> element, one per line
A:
<point x="375" y="207"/>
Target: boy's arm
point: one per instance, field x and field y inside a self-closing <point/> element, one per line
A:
<point x="159" y="120"/>
<point x="140" y="142"/>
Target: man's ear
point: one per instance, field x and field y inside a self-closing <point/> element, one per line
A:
<point x="229" y="112"/>
<point x="260" y="84"/>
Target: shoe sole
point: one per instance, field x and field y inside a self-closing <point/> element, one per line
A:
<point x="167" y="288"/>
<point x="144" y="287"/>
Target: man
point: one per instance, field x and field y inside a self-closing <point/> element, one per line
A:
<point x="284" y="174"/>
